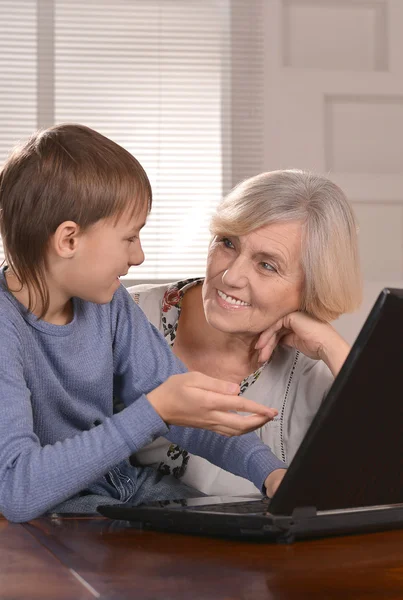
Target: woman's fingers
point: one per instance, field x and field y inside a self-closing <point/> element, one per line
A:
<point x="289" y="340"/>
<point x="267" y="350"/>
<point x="268" y="334"/>
<point x="269" y="339"/>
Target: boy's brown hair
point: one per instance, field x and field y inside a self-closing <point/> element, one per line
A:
<point x="66" y="173"/>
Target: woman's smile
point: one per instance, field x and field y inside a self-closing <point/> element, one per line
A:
<point x="230" y="302"/>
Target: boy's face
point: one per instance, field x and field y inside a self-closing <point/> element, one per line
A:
<point x="105" y="252"/>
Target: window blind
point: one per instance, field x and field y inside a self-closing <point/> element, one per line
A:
<point x="18" y="44"/>
<point x="179" y="83"/>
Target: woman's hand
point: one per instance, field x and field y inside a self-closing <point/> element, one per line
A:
<point x="273" y="480"/>
<point x="197" y="400"/>
<point x="313" y="338"/>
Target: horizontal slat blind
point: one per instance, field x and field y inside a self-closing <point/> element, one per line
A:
<point x="148" y="74"/>
<point x="17" y="74"/>
<point x="18" y="45"/>
<point x="246" y="92"/>
<point x="179" y="84"/>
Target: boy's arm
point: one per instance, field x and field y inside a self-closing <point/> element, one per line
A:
<point x="35" y="477"/>
<point x="245" y="455"/>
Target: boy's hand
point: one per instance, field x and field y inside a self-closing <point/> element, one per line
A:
<point x="197" y="400"/>
<point x="273" y="480"/>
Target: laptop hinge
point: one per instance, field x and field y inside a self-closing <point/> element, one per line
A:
<point x="304" y="512"/>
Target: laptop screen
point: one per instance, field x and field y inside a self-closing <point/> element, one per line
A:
<point x="352" y="454"/>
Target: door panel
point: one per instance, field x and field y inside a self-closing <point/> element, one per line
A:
<point x="334" y="104"/>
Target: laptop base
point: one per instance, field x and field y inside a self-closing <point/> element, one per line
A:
<point x="302" y="524"/>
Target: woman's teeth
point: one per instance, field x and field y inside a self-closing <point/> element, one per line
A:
<point x="231" y="300"/>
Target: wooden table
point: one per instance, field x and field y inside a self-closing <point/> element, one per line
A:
<point x="87" y="558"/>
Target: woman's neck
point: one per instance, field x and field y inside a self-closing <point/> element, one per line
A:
<point x="202" y="347"/>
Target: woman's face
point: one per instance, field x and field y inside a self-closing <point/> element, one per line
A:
<point x="255" y="279"/>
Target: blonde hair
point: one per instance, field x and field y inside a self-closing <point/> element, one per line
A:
<point x="330" y="258"/>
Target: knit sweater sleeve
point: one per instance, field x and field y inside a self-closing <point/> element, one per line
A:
<point x="246" y="455"/>
<point x="35" y="477"/>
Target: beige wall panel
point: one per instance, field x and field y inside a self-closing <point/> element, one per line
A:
<point x="334" y="104"/>
<point x="349" y="325"/>
<point x="313" y="30"/>
<point x="364" y="134"/>
<point x="381" y="240"/>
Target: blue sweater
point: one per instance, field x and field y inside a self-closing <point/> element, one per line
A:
<point x="57" y="381"/>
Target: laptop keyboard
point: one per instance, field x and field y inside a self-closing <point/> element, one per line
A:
<point x="253" y="507"/>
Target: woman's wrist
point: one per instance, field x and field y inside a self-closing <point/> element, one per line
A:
<point x="334" y="352"/>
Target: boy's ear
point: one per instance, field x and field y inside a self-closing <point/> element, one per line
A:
<point x="65" y="240"/>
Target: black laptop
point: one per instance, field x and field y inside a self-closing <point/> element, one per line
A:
<point x="347" y="475"/>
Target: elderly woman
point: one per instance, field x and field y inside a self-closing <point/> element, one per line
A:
<point x="282" y="263"/>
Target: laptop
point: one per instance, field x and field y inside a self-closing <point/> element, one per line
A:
<point x="347" y="475"/>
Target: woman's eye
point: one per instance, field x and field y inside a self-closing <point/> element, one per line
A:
<point x="132" y="239"/>
<point x="227" y="242"/>
<point x="268" y="267"/>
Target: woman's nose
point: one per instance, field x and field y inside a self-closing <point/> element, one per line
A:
<point x="236" y="274"/>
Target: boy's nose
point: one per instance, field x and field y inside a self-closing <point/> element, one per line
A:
<point x="137" y="257"/>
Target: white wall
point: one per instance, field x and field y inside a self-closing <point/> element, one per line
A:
<point x="334" y="104"/>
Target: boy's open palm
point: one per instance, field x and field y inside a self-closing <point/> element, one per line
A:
<point x="197" y="400"/>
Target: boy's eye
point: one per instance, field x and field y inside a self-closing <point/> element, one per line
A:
<point x="132" y="239"/>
